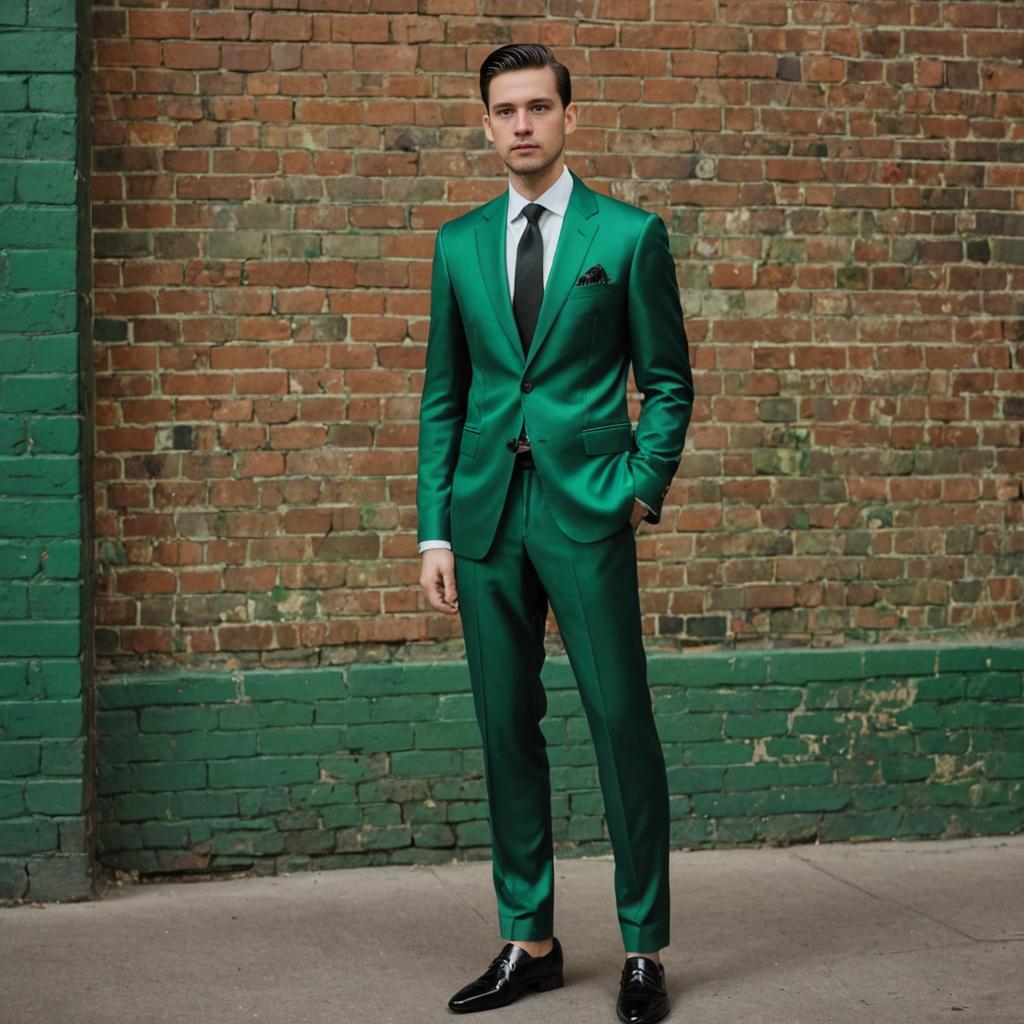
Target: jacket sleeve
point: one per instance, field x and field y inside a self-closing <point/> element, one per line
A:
<point x="661" y="366"/>
<point x="442" y="403"/>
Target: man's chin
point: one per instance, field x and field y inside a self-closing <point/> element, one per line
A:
<point x="529" y="161"/>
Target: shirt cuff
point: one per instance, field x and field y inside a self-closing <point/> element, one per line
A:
<point x="644" y="503"/>
<point x="425" y="544"/>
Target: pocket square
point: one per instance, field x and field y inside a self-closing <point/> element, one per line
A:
<point x="594" y="275"/>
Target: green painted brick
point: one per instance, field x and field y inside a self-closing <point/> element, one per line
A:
<point x="55" y="435"/>
<point x="44" y="718"/>
<point x="41" y="638"/>
<point x="819" y="723"/>
<point x="751" y="726"/>
<point x="340" y="816"/>
<point x="282" y="713"/>
<point x="294" y="685"/>
<point x="41" y="50"/>
<point x="317" y="740"/>
<point x="695" y="779"/>
<point x="57" y="677"/>
<point x="203" y="803"/>
<point x="718" y="753"/>
<point x="995" y="684"/>
<point x="53" y="94"/>
<point x="114" y="837"/>
<point x="63" y="559"/>
<point x="726" y="804"/>
<point x="752" y="776"/>
<point x="446" y="735"/>
<point x="18" y="759"/>
<point x="392" y="736"/>
<point x="261" y="771"/>
<point x="45" y="475"/>
<point x="689" y="727"/>
<point x="148" y="778"/>
<point x="56" y="353"/>
<point x="347" y="711"/>
<point x="213" y="746"/>
<point x="787" y="746"/>
<point x="157" y="834"/>
<point x="392" y="679"/>
<point x="178" y="719"/>
<point x="13" y="603"/>
<point x="944" y="687"/>
<point x="43" y="392"/>
<point x="351" y="767"/>
<point x="873" y="798"/>
<point x="941" y="741"/>
<point x="12" y="799"/>
<point x="414" y="708"/>
<point x="40" y="518"/>
<point x="426" y="762"/>
<point x="52" y="13"/>
<point x="29" y="225"/>
<point x="459" y="705"/>
<point x="56" y="600"/>
<point x="14" y="12"/>
<point x="13" y="91"/>
<point x="906" y="769"/>
<point x="54" y="796"/>
<point x="21" y="560"/>
<point x="809" y="798"/>
<point x="176" y="688"/>
<point x="15" y="357"/>
<point x="1005" y="766"/>
<point x="49" y="182"/>
<point x="27" y="835"/>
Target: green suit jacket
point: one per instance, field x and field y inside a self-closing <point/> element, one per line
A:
<point x="571" y="388"/>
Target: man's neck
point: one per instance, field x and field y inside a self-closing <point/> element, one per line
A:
<point x="534" y="186"/>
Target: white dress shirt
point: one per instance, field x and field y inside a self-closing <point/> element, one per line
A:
<point x="555" y="202"/>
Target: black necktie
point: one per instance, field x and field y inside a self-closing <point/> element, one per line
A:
<point x="529" y="286"/>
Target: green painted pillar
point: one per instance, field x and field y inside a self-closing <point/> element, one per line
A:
<point x="46" y="792"/>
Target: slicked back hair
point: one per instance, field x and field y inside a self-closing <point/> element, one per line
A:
<point x="515" y="57"/>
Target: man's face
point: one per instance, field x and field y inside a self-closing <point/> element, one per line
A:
<point x="526" y="120"/>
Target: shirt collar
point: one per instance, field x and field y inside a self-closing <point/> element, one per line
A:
<point x="555" y="199"/>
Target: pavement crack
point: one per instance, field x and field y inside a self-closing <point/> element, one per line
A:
<point x="458" y="895"/>
<point x="887" y="899"/>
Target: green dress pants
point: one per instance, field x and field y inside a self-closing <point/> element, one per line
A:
<point x="592" y="589"/>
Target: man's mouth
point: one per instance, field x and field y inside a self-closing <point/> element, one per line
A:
<point x="526" y="145"/>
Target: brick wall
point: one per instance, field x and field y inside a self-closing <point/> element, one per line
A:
<point x="842" y="182"/>
<point x="271" y="771"/>
<point x="46" y="770"/>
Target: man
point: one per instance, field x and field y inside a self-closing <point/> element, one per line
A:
<point x="531" y="484"/>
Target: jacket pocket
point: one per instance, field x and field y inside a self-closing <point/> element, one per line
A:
<point x="470" y="439"/>
<point x="610" y="437"/>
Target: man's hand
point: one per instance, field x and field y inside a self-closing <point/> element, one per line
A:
<point x="638" y="513"/>
<point x="437" y="578"/>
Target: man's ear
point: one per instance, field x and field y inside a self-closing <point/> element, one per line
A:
<point x="485" y="120"/>
<point x="570" y="117"/>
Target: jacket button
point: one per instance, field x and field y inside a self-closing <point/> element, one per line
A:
<point x="527" y="385"/>
<point x="510" y="444"/>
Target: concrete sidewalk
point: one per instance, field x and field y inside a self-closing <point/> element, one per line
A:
<point x="886" y="933"/>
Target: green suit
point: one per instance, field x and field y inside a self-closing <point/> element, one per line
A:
<point x="558" y="534"/>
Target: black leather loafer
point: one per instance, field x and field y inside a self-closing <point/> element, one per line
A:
<point x="643" y="997"/>
<point x="511" y="973"/>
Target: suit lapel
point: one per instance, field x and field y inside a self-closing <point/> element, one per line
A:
<point x="490" y="254"/>
<point x="578" y="229"/>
